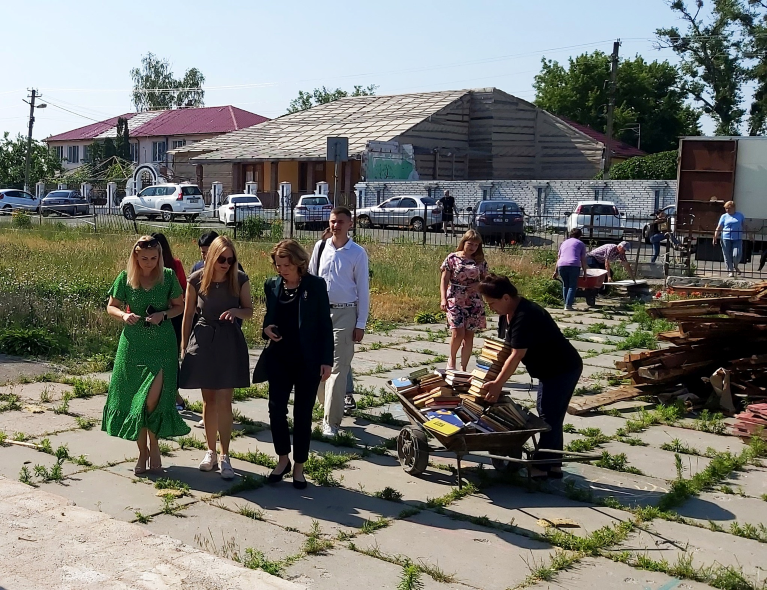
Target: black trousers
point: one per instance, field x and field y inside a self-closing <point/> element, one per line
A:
<point x="284" y="376"/>
<point x="553" y="398"/>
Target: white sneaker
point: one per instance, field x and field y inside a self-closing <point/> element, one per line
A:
<point x="226" y="468"/>
<point x="200" y="424"/>
<point x="210" y="462"/>
<point x="329" y="430"/>
<point x="569" y="308"/>
<point x="732" y="274"/>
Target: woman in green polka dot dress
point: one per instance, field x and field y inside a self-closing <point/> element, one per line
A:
<point x="142" y="392"/>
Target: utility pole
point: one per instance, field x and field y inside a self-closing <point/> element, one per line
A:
<point x="611" y="109"/>
<point x="29" y="137"/>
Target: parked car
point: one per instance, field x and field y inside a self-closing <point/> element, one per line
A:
<point x="246" y="206"/>
<point x="312" y="210"/>
<point x="406" y="211"/>
<point x="64" y="202"/>
<point x="599" y="220"/>
<point x="166" y="201"/>
<point x="497" y="220"/>
<point x="12" y="199"/>
<point x="670" y="212"/>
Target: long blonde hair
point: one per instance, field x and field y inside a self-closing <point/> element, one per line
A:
<point x="217" y="248"/>
<point x="133" y="269"/>
<point x="472" y="236"/>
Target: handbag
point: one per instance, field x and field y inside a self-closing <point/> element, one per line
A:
<point x="261" y="372"/>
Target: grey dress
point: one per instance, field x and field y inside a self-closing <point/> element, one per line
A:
<point x="217" y="354"/>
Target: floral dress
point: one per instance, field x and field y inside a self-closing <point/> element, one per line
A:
<point x="465" y="309"/>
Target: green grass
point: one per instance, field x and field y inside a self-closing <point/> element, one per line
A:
<point x="165" y="483"/>
<point x="371" y="526"/>
<point x="618" y="462"/>
<point x="708" y="422"/>
<point x="85" y="423"/>
<point x="390" y="494"/>
<point x="677" y="446"/>
<point x="256" y="560"/>
<point x="319" y="467"/>
<point x="142" y="518"/>
<point x="315" y="544"/>
<point x="191" y="442"/>
<point x="9" y="402"/>
<point x="86" y="387"/>
<point x="453" y="495"/>
<point x="638" y="339"/>
<point x="256" y="457"/>
<point x="252" y="513"/>
<point x="54" y="280"/>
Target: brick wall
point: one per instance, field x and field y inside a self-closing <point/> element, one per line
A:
<point x="555" y="197"/>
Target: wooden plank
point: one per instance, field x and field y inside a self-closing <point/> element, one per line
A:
<point x="584" y="404"/>
<point x="663" y="375"/>
<point x="721" y="291"/>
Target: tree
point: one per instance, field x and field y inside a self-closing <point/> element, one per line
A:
<point x="754" y="22"/>
<point x="122" y="143"/>
<point x="648" y="98"/>
<point x="307" y="100"/>
<point x="660" y="166"/>
<point x="13" y="153"/>
<point x="712" y="59"/>
<point x="154" y="86"/>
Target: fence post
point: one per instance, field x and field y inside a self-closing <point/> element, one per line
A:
<point x="425" y="221"/>
<point x="292" y="216"/>
<point x="354" y="217"/>
<point x="235" y="219"/>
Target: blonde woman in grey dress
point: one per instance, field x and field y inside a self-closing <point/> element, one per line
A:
<point x="215" y="354"/>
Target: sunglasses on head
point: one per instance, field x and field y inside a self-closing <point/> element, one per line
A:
<point x="226" y="260"/>
<point x="142" y="244"/>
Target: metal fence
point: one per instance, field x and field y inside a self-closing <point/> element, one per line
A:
<point x="667" y="253"/>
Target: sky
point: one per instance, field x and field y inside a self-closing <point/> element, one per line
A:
<point x="257" y="55"/>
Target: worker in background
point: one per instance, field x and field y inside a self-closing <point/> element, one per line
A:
<point x="603" y="256"/>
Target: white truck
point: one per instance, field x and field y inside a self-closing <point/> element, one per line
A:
<point x="712" y="171"/>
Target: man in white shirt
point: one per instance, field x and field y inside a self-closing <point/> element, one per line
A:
<point x="344" y="266"/>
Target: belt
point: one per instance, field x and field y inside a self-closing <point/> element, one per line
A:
<point x="342" y="305"/>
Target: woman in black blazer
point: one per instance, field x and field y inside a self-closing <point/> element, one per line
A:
<point x="300" y="353"/>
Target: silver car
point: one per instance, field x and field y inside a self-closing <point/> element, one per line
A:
<point x="405" y="211"/>
<point x="12" y="199"/>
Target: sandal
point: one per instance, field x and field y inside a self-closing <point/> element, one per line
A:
<point x="140" y="468"/>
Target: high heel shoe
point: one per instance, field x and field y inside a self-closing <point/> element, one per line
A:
<point x="275" y="477"/>
<point x="299" y="484"/>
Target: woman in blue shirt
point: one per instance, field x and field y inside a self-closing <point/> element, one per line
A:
<point x="731" y="230"/>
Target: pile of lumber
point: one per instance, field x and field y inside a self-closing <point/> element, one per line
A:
<point x="722" y="331"/>
<point x="752" y="422"/>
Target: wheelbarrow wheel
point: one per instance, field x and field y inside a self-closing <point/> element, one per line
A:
<point x="413" y="450"/>
<point x="591" y="297"/>
<point x="507" y="466"/>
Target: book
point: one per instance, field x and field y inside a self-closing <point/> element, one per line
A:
<point x="417" y="374"/>
<point x="485" y="375"/>
<point x="401" y="383"/>
<point x="441" y="427"/>
<point x="447" y="416"/>
<point x="496" y="344"/>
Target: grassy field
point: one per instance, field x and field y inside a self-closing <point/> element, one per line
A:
<point x="53" y="285"/>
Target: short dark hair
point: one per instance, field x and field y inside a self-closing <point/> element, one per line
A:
<point x="576" y="233"/>
<point x="207" y="239"/>
<point x="341" y="211"/>
<point x="496" y="286"/>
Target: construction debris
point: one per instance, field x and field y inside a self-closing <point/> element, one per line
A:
<point x="752" y="422"/>
<point x="719" y="352"/>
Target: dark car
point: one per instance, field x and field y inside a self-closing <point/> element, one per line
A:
<point x="497" y="220"/>
<point x="64" y="202"/>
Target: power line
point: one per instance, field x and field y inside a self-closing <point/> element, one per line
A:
<point x="72" y="112"/>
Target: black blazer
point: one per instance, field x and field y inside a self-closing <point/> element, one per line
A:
<point x="315" y="328"/>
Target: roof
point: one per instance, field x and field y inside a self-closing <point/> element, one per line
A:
<point x="303" y="135"/>
<point x="90" y="131"/>
<point x="620" y="149"/>
<point x="223" y="119"/>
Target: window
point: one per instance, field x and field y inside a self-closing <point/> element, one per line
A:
<point x="502" y="206"/>
<point x="148" y="192"/>
<point x="158" y="151"/>
<point x="428" y="201"/>
<point x="407" y="204"/>
<point x="73" y="154"/>
<point x="657" y="200"/>
<point x="315" y="201"/>
<point x="134" y="152"/>
<point x="59" y="151"/>
<point x="390" y="204"/>
<point x="177" y="143"/>
<point x="191" y="190"/>
<point x="87" y="153"/>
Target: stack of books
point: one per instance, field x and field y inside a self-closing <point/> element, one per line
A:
<point x="502" y="417"/>
<point x="489" y="364"/>
<point x="460" y="381"/>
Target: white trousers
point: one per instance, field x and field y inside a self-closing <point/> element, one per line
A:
<point x="331" y="393"/>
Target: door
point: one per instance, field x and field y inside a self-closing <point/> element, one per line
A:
<point x="146" y="199"/>
<point x="408" y="208"/>
<point x="385" y="214"/>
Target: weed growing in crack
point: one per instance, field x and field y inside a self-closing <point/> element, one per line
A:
<point x="315" y="544"/>
<point x="142" y="518"/>
<point x="390" y="494"/>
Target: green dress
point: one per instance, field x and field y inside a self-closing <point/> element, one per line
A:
<point x="144" y="351"/>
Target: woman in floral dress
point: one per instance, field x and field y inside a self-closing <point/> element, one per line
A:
<point x="462" y="272"/>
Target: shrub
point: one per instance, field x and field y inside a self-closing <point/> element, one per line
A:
<point x="21" y="220"/>
<point x="252" y="228"/>
<point x="427" y="317"/>
<point x="27" y="342"/>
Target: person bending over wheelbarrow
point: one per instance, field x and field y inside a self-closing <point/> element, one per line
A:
<point x="538" y="343"/>
<point x="604" y="255"/>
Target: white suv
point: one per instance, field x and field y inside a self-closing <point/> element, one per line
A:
<point x="599" y="220"/>
<point x="166" y="201"/>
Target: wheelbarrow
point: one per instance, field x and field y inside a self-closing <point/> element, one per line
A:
<point x="590" y="285"/>
<point x="505" y="449"/>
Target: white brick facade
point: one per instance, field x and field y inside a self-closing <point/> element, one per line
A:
<point x="538" y="197"/>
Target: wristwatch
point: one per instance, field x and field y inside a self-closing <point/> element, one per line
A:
<point x="165" y="315"/>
